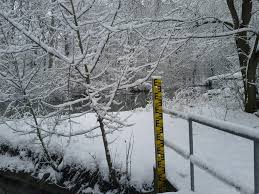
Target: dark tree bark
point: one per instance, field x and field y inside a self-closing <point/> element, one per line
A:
<point x="247" y="55"/>
<point x="51" y="38"/>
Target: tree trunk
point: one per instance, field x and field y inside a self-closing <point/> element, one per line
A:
<point x="243" y="50"/>
<point x="113" y="178"/>
<point x="247" y="55"/>
<point x="51" y="34"/>
<point x="67" y="45"/>
<point x="248" y="71"/>
<point x="250" y="105"/>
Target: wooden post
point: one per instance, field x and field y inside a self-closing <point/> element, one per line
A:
<point x="160" y="178"/>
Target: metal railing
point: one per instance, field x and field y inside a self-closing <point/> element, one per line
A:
<point x="234" y="129"/>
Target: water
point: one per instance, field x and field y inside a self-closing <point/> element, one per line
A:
<point x="127" y="101"/>
<point x="19" y="183"/>
<point x="130" y="101"/>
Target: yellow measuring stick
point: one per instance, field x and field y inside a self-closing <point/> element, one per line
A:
<point x="160" y="178"/>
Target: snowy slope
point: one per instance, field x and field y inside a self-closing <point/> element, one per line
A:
<point x="232" y="155"/>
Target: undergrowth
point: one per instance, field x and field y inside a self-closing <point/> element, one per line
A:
<point x="74" y="177"/>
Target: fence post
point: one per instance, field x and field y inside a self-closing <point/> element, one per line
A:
<point x="191" y="153"/>
<point x="256" y="167"/>
<point x="160" y="178"/>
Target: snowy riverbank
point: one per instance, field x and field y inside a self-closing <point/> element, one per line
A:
<point x="230" y="154"/>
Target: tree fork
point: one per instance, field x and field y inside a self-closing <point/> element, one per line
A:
<point x="247" y="55"/>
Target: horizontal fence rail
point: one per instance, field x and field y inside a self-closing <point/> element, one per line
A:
<point x="208" y="168"/>
<point x="231" y="128"/>
<point x="241" y="131"/>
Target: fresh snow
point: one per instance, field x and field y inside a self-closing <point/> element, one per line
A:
<point x="230" y="154"/>
<point x="229" y="127"/>
<point x="15" y="164"/>
<point x="237" y="75"/>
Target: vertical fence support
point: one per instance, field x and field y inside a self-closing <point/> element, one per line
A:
<point x="160" y="178"/>
<point x="256" y="167"/>
<point x="191" y="153"/>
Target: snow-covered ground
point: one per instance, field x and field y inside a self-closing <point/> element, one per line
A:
<point x="230" y="154"/>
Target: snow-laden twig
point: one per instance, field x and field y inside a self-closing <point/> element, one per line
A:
<point x="35" y="39"/>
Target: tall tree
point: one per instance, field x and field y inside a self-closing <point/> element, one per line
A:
<point x="247" y="49"/>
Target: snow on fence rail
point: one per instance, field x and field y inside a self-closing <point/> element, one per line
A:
<point x="231" y="128"/>
<point x="208" y="168"/>
<point x="234" y="129"/>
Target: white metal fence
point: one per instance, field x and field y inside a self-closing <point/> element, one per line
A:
<point x="231" y="128"/>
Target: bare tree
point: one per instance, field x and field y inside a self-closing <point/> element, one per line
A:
<point x="247" y="49"/>
<point x="96" y="66"/>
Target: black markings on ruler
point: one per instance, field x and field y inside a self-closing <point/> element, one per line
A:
<point x="159" y="136"/>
